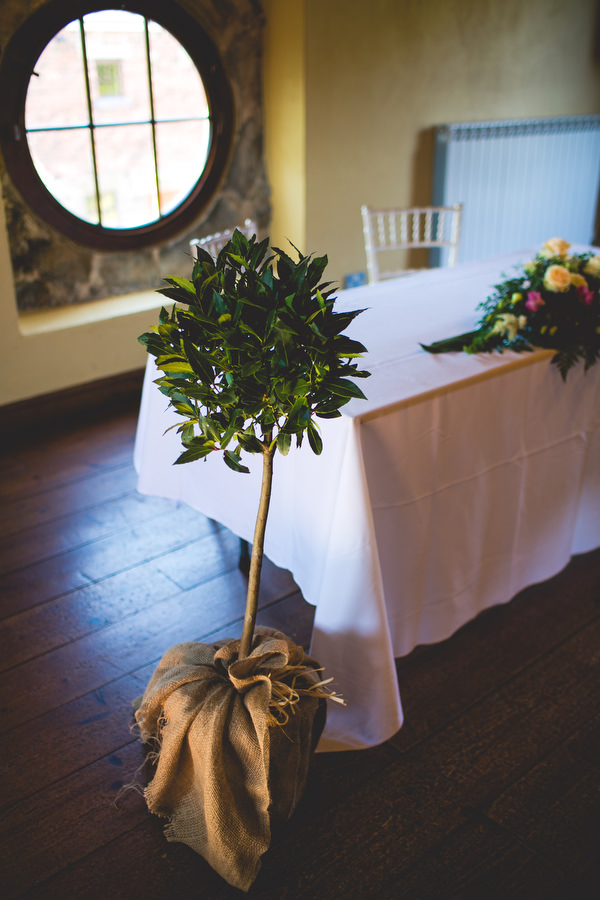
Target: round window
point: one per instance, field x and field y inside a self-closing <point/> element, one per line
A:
<point x="117" y="123"/>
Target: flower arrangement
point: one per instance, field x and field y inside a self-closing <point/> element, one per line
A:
<point x="553" y="302"/>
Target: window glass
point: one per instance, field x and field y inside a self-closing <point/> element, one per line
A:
<point x="176" y="83"/>
<point x="63" y="161"/>
<point x="115" y="45"/>
<point x="180" y="147"/>
<point x="48" y="103"/>
<point x="125" y="161"/>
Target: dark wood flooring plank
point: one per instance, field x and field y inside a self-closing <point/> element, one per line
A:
<point x="36" y="584"/>
<point x="68" y="820"/>
<point x="112" y="518"/>
<point x="102" y="558"/>
<point x="477" y="861"/>
<point x="19" y="513"/>
<point x="501" y="737"/>
<point x="61" y="742"/>
<point x="49" y="625"/>
<point x="142" y="864"/>
<point x="47" y="682"/>
<point x="66" y="456"/>
<point x="174" y="530"/>
<point x="555" y="806"/>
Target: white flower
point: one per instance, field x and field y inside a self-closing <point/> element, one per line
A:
<point x="592" y="266"/>
<point x="509" y="325"/>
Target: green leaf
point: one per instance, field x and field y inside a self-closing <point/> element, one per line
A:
<point x="193" y="454"/>
<point x="316" y="269"/>
<point x="250" y="442"/>
<point x="314" y="438"/>
<point x="344" y="388"/>
<point x="174" y="365"/>
<point x="338" y="322"/>
<point x="328" y="414"/>
<point x="198" y="362"/>
<point x="233" y="461"/>
<point x="210" y="428"/>
<point x="284" y="441"/>
<point x="226" y="397"/>
<point x="184" y="283"/>
<point x="452" y="344"/>
<point x="187" y="432"/>
<point x="184" y="409"/>
<point x="346" y="347"/>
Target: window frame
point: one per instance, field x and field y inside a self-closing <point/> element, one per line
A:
<point x="16" y="68"/>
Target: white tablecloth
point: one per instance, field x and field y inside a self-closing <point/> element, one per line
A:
<point x="461" y="480"/>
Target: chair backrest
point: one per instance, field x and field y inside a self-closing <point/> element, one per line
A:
<point x="213" y="243"/>
<point x="389" y="230"/>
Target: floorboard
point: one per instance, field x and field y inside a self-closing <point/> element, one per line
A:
<point x="490" y="790"/>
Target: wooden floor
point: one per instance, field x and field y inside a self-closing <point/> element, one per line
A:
<point x="490" y="790"/>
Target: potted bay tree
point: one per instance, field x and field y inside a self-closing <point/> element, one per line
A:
<point x="251" y="355"/>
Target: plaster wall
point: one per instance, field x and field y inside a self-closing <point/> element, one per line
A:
<point x="380" y="75"/>
<point x="284" y="86"/>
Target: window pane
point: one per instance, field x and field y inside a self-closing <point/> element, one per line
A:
<point x="56" y="90"/>
<point x="117" y="65"/>
<point x="63" y="160"/>
<point x="125" y="160"/>
<point x="176" y="84"/>
<point x="181" y="149"/>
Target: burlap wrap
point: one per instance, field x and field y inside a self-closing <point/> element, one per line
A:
<point x="222" y="772"/>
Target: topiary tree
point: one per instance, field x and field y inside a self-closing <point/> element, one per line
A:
<point x="252" y="354"/>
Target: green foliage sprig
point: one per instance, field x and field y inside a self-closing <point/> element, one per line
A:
<point x="252" y="353"/>
<point x="554" y="302"/>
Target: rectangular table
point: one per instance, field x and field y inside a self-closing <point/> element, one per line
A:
<point x="461" y="480"/>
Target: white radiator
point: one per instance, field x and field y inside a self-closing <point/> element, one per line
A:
<point x="520" y="182"/>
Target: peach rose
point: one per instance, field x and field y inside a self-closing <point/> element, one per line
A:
<point x="557" y="279"/>
<point x="555" y="247"/>
<point x="592" y="266"/>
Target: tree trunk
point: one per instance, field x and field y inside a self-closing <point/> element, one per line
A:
<point x="257" y="554"/>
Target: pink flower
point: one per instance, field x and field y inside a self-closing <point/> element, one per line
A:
<point x="585" y="294"/>
<point x="534" y="301"/>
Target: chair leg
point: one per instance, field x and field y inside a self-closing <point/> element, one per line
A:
<point x="244" y="560"/>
